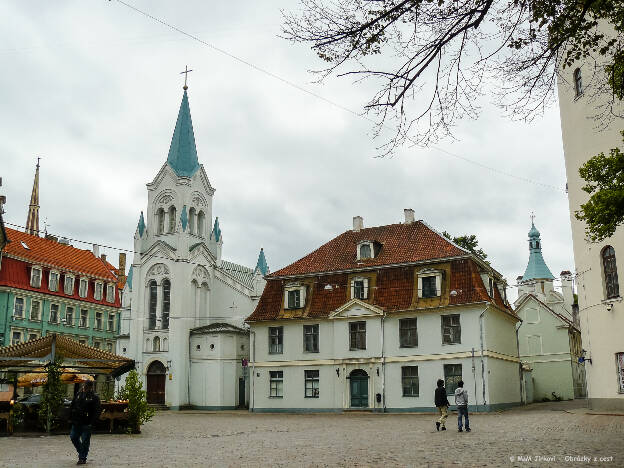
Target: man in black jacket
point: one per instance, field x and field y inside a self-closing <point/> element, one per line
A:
<point x="85" y="409"/>
<point x="442" y="403"/>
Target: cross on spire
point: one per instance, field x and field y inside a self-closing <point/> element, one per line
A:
<point x="532" y="217"/>
<point x="185" y="73"/>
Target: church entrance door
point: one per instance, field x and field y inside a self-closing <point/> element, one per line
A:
<point x="156" y="383"/>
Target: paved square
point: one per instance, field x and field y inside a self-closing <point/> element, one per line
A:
<point x="354" y="439"/>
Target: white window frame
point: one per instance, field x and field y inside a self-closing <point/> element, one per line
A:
<point x="302" y="296"/>
<point x="67" y="324"/>
<point x="359" y="249"/>
<point x="69" y="285"/>
<point x="83" y="280"/>
<point x="16" y="330"/>
<point x="98" y="295"/>
<point x="428" y="274"/>
<point x="38" y="319"/>
<point x="541" y="345"/>
<point x="58" y="313"/>
<point x="111" y="315"/>
<point x="32" y="277"/>
<point x="80" y="319"/>
<point x="365" y="281"/>
<point x="526" y="315"/>
<point x="15" y="316"/>
<point x="95" y="322"/>
<point x="98" y="343"/>
<point x="277" y="390"/>
<point x="37" y="334"/>
<point x="109" y="345"/>
<point x="56" y="283"/>
<point x="110" y="296"/>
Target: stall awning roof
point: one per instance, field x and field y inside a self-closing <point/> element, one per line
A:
<point x="86" y="358"/>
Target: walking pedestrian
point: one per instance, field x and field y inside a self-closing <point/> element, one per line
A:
<point x="85" y="409"/>
<point x="461" y="400"/>
<point x="442" y="403"/>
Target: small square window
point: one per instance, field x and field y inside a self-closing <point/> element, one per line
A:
<point x="408" y="333"/>
<point x="276" y="384"/>
<point x="18" y="310"/>
<point x="16" y="337"/>
<point x="409" y="380"/>
<point x="294" y="299"/>
<point x="359" y="289"/>
<point x="365" y="251"/>
<point x="452" y="376"/>
<point x="429" y="288"/>
<point x="32" y="336"/>
<point x="276" y="340"/>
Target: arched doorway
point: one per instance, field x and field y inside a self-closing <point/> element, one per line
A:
<point x="156" y="383"/>
<point x="358" y="385"/>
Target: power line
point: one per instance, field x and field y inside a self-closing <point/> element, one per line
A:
<point x="324" y="99"/>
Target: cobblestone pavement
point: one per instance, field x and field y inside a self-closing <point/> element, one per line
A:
<point x="192" y="438"/>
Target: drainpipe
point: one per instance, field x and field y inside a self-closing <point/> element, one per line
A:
<point x="252" y="399"/>
<point x="481" y="343"/>
<point x="522" y="397"/>
<point x="383" y="364"/>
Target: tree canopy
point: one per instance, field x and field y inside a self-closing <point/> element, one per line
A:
<point x="446" y="53"/>
<point x="604" y="211"/>
<point x="468" y="242"/>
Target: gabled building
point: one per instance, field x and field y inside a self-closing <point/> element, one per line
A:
<point x="49" y="286"/>
<point x="371" y="320"/>
<point x="179" y="287"/>
<point x="549" y="337"/>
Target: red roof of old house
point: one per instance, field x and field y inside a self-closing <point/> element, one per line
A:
<point x="17" y="262"/>
<point x="394" y="291"/>
<point x="400" y="243"/>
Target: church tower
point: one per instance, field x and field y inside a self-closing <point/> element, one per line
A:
<point x="182" y="288"/>
<point x="32" y="220"/>
<point x="537" y="277"/>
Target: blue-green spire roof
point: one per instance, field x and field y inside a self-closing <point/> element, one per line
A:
<point x="216" y="230"/>
<point x="182" y="152"/>
<point x="262" y="263"/>
<point x="141" y="225"/>
<point x="536" y="269"/>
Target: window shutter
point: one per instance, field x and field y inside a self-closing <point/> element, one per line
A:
<point x="365" y="288"/>
<point x="352" y="289"/>
<point x="438" y="285"/>
<point x="420" y="286"/>
<point x="286" y="304"/>
<point x="303" y="296"/>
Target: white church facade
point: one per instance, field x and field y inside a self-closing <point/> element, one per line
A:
<point x="184" y="306"/>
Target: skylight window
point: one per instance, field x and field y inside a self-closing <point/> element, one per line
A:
<point x="24" y="245"/>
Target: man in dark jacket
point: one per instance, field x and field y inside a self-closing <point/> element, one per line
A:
<point x="442" y="403"/>
<point x="85" y="410"/>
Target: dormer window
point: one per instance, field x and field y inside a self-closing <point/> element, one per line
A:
<point x="110" y="293"/>
<point x="365" y="250"/>
<point x="429" y="283"/>
<point x="359" y="288"/>
<point x="53" y="281"/>
<point x="491" y="287"/>
<point x="84" y="287"/>
<point x="69" y="285"/>
<point x="294" y="297"/>
<point x="99" y="290"/>
<point x="35" y="277"/>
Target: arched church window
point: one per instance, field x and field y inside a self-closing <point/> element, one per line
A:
<point x="160" y="221"/>
<point x="165" y="344"/>
<point x="201" y="220"/>
<point x="191" y="220"/>
<point x="166" y="303"/>
<point x="172" y="219"/>
<point x="156" y="344"/>
<point x="148" y="344"/>
<point x="612" y="285"/>
<point x="578" y="82"/>
<point x="152" y="305"/>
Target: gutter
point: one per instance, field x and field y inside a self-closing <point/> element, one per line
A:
<point x="252" y="399"/>
<point x="482" y="350"/>
<point x="383" y="364"/>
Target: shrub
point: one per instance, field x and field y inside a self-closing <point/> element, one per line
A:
<point x="139" y="412"/>
<point x="52" y="396"/>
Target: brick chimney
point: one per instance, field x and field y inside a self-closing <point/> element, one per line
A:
<point x="121" y="272"/>
<point x="103" y="257"/>
<point x="358" y="223"/>
<point x="96" y="250"/>
<point x="409" y="215"/>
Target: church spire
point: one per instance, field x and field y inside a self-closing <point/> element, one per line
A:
<point x="32" y="221"/>
<point x="182" y="156"/>
<point x="262" y="265"/>
<point x="536" y="268"/>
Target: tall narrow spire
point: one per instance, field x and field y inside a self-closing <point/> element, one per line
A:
<point x="182" y="153"/>
<point x="262" y="265"/>
<point x="32" y="221"/>
<point x="536" y="268"/>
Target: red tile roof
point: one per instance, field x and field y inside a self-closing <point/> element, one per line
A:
<point x="400" y="243"/>
<point x="50" y="253"/>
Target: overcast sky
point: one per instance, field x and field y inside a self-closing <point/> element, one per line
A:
<point x="94" y="89"/>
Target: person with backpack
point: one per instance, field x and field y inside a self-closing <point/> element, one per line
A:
<point x="442" y="404"/>
<point x="461" y="400"/>
<point x="85" y="410"/>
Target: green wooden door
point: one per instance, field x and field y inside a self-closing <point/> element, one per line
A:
<point x="359" y="389"/>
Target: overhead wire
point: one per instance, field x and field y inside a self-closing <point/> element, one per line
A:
<point x="326" y="100"/>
